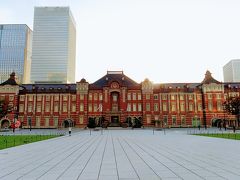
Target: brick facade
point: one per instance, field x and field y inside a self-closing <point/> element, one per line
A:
<point x="118" y="99"/>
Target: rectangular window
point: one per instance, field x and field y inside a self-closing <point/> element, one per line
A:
<point x="190" y="96"/>
<point x="38" y="107"/>
<point x="30" y="98"/>
<point x="81" y="119"/>
<point x="129" y="107"/>
<point x="199" y="107"/>
<point x="209" y="96"/>
<point x="115" y="97"/>
<point x="47" y="108"/>
<point x="81" y="96"/>
<point x="134" y="96"/>
<point x="173" y="97"/>
<point x="47" y="97"/>
<point x="134" y="107"/>
<point x="155" y="106"/>
<point x="129" y="96"/>
<point x="148" y="107"/>
<point x="139" y="107"/>
<point x="147" y="96"/>
<point x="38" y="121"/>
<point x="210" y="107"/>
<point x="90" y="107"/>
<point x="181" y="97"/>
<point x="139" y="96"/>
<point x="219" y="96"/>
<point x="95" y="96"/>
<point x="148" y="119"/>
<point x="199" y="97"/>
<point x="165" y="120"/>
<point x="100" y="97"/>
<point x="95" y="107"/>
<point x="164" y="106"/>
<point x="173" y="106"/>
<point x="100" y="107"/>
<point x="22" y="98"/>
<point x="73" y="97"/>
<point x="11" y="98"/>
<point x="55" y="120"/>
<point x="90" y="96"/>
<point x="29" y="107"/>
<point x="21" y="108"/>
<point x="219" y="105"/>
<point x="64" y="107"/>
<point x="39" y="97"/>
<point x="73" y="107"/>
<point x="155" y="96"/>
<point x="183" y="120"/>
<point x="64" y="97"/>
<point x="55" y="107"/>
<point x="182" y="106"/>
<point x="81" y="107"/>
<point x="164" y="97"/>
<point x="190" y="106"/>
<point x="174" y="120"/>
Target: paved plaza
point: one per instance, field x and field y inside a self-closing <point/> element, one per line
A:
<point x="124" y="155"/>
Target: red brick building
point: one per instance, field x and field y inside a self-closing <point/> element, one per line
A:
<point x="118" y="99"/>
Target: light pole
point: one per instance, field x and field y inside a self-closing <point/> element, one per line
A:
<point x="30" y="123"/>
<point x="203" y="107"/>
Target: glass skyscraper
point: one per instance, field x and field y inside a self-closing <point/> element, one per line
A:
<point x="15" y="52"/>
<point x="231" y="71"/>
<point x="54" y="46"/>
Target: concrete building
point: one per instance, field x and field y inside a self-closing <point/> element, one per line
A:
<point x="231" y="71"/>
<point x="120" y="101"/>
<point x="54" y="45"/>
<point x="15" y="51"/>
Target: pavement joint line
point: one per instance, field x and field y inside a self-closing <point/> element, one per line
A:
<point x="52" y="159"/>
<point x="142" y="158"/>
<point x="158" y="161"/>
<point x="25" y="162"/>
<point x="102" y="157"/>
<point x="102" y="138"/>
<point x="174" y="162"/>
<point x="26" y="152"/>
<point x="199" y="160"/>
<point x="115" y="158"/>
<point x="67" y="157"/>
<point x="128" y="159"/>
<point x="116" y="152"/>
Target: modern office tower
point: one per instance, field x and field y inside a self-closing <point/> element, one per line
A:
<point x="231" y="71"/>
<point x="54" y="46"/>
<point x="15" y="52"/>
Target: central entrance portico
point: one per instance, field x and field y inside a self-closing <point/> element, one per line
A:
<point x="114" y="121"/>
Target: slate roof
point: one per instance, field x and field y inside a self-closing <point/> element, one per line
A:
<point x="11" y="80"/>
<point x="209" y="79"/>
<point x="116" y="76"/>
<point x="51" y="88"/>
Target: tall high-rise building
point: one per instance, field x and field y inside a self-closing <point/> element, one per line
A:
<point x="54" y="45"/>
<point x="231" y="71"/>
<point x="15" y="51"/>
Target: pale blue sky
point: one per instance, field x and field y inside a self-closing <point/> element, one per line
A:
<point x="163" y="40"/>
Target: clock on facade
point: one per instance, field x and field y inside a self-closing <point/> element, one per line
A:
<point x="114" y="85"/>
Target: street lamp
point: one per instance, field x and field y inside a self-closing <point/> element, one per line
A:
<point x="203" y="107"/>
<point x="30" y="123"/>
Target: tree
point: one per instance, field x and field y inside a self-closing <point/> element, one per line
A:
<point x="232" y="106"/>
<point x="5" y="108"/>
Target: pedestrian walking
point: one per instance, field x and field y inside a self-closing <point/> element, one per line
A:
<point x="69" y="130"/>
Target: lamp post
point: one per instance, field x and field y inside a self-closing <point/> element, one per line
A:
<point x="203" y="108"/>
<point x="30" y="123"/>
